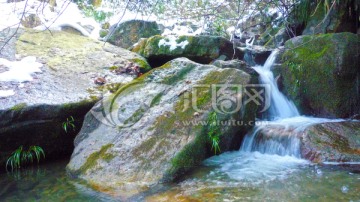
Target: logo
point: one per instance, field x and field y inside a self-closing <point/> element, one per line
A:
<point x="228" y="98"/>
<point x="130" y="103"/>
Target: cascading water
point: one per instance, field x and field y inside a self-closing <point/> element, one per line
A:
<point x="280" y="106"/>
<point x="272" y="149"/>
<point x="264" y="138"/>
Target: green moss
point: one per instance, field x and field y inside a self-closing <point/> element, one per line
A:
<point x="144" y="66"/>
<point x="128" y="33"/>
<point x="136" y="116"/>
<point x="156" y="99"/>
<point x="108" y="157"/>
<point x="91" y="161"/>
<point x="310" y="71"/>
<point x="178" y="76"/>
<point x="70" y="107"/>
<point x="18" y="107"/>
<point x="145" y="147"/>
<point x="59" y="40"/>
<point x="189" y="157"/>
<point x="208" y="47"/>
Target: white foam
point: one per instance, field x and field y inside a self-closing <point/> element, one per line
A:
<point x="6" y="93"/>
<point x="254" y="167"/>
<point x="20" y="71"/>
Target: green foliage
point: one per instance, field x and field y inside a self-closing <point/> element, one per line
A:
<point x="214" y="132"/>
<point x="90" y="11"/>
<point x="304" y="9"/>
<point x="69" y="123"/>
<point x="21" y="157"/>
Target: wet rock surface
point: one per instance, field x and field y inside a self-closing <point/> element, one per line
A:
<point x="333" y="142"/>
<point x="147" y="136"/>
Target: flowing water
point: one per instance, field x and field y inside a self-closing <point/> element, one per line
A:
<point x="232" y="176"/>
<point x="280" y="106"/>
<point x="268" y="167"/>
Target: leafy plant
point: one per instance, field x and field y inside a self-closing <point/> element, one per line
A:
<point x="90" y="11"/>
<point x="21" y="157"/>
<point x="214" y="132"/>
<point x="69" y="123"/>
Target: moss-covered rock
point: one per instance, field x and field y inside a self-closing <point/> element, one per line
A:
<point x="128" y="33"/>
<point x="36" y="113"/>
<point x="31" y="21"/>
<point x="157" y="125"/>
<point x="322" y="75"/>
<point x="338" y="142"/>
<point x="202" y="49"/>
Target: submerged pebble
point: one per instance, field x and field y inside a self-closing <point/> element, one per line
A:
<point x="344" y="189"/>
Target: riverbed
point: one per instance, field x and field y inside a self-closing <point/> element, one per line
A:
<point x="232" y="176"/>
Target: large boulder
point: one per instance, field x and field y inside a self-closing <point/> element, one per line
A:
<point x="34" y="107"/>
<point x="342" y="17"/>
<point x="322" y="74"/>
<point x="128" y="33"/>
<point x="150" y="131"/>
<point x="334" y="142"/>
<point x="202" y="49"/>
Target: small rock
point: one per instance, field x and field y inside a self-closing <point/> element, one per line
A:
<point x="344" y="189"/>
<point x="100" y="81"/>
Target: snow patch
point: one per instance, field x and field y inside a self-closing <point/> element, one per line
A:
<point x="20" y="71"/>
<point x="66" y="13"/>
<point x="6" y="93"/>
<point x="171" y="41"/>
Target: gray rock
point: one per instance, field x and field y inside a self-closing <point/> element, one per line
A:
<point x="339" y="142"/>
<point x="145" y="137"/>
<point x="128" y="33"/>
<point x="65" y="88"/>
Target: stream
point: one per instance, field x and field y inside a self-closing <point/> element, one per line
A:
<point x="267" y="167"/>
<point x="232" y="176"/>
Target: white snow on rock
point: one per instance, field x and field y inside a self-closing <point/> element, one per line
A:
<point x="66" y="13"/>
<point x="6" y="93"/>
<point x="20" y="71"/>
<point x="171" y="41"/>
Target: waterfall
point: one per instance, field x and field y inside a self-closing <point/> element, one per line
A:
<point x="279" y="133"/>
<point x="266" y="139"/>
<point x="272" y="149"/>
<point x="280" y="106"/>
